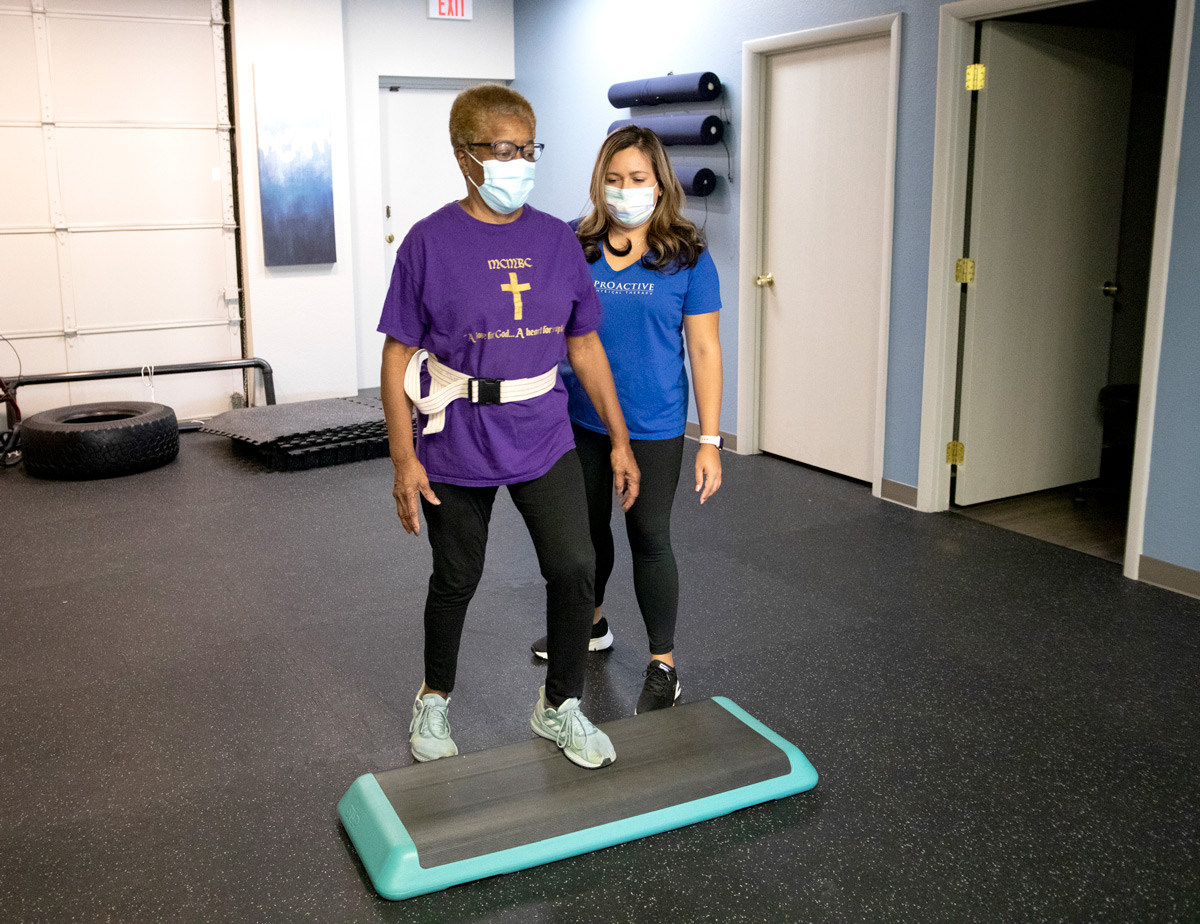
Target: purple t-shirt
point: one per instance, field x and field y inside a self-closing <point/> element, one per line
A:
<point x="494" y="301"/>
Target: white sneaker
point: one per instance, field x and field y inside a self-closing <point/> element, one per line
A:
<point x="429" y="731"/>
<point x="581" y="741"/>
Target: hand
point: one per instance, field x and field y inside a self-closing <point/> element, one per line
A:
<point x="410" y="481"/>
<point x="627" y="478"/>
<point x="708" y="470"/>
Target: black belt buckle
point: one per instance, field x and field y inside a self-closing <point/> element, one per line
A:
<point x="483" y="391"/>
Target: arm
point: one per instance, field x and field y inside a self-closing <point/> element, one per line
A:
<point x="410" y="479"/>
<point x="590" y="363"/>
<point x="704" y="354"/>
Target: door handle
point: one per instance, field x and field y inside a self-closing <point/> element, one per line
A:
<point x="1111" y="289"/>
<point x="766" y="279"/>
<point x="390" y="238"/>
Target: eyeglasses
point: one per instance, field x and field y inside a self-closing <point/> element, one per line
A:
<point x="507" y="150"/>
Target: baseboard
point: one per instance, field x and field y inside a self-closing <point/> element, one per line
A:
<point x="692" y="431"/>
<point x="898" y="493"/>
<point x="1170" y="577"/>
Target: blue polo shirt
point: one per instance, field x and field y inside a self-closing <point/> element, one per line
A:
<point x="641" y="327"/>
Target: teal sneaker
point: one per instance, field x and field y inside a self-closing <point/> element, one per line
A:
<point x="581" y="741"/>
<point x="429" y="731"/>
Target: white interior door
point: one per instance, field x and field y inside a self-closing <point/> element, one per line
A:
<point x="420" y="174"/>
<point x="118" y="245"/>
<point x="1045" y="220"/>
<point x="826" y="218"/>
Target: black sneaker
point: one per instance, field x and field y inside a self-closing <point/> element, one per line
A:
<point x="661" y="688"/>
<point x="602" y="638"/>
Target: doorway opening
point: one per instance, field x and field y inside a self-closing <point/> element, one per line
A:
<point x="1071" y="428"/>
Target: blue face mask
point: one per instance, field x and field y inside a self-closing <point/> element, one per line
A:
<point x="631" y="207"/>
<point x="506" y="183"/>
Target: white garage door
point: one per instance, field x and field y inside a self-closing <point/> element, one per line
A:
<point x="117" y="226"/>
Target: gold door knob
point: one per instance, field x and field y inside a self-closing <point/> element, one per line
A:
<point x="1111" y="289"/>
<point x="390" y="238"/>
<point x="766" y="279"/>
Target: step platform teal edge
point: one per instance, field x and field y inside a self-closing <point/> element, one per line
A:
<point x="390" y="856"/>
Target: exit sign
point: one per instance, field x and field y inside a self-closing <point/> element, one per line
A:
<point x="450" y="9"/>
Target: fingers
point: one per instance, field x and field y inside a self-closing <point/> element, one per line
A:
<point x="627" y="478"/>
<point x="406" y="509"/>
<point x="410" y="485"/>
<point x="427" y="493"/>
<point x="708" y="479"/>
<point x="632" y="484"/>
<point x="626" y="485"/>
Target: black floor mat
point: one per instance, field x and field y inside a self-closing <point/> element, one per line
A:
<point x="307" y="434"/>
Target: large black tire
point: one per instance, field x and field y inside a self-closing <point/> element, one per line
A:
<point x="100" y="440"/>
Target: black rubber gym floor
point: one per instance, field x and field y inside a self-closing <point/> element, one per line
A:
<point x="197" y="661"/>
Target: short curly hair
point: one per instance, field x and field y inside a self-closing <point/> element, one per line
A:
<point x="474" y="106"/>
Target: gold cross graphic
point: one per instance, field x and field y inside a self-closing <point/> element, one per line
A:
<point x="516" y="289"/>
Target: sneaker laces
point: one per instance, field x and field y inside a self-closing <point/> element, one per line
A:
<point x="573" y="725"/>
<point x="658" y="681"/>
<point x="433" y="721"/>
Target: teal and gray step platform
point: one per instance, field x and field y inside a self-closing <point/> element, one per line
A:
<point x="429" y="826"/>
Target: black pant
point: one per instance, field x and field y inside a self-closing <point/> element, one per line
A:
<point x="554" y="512"/>
<point x="648" y="523"/>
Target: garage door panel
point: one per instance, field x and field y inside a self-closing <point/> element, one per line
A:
<point x="25" y="204"/>
<point x="21" y="99"/>
<point x="161" y="347"/>
<point x="29" y="269"/>
<point x="132" y="169"/>
<point x="189" y="393"/>
<point x="144" y="277"/>
<point x="121" y="177"/>
<point x="116" y="71"/>
<point x="39" y="356"/>
<point x="175" y="9"/>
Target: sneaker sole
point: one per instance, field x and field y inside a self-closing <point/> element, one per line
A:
<point x="424" y="760"/>
<point x="597" y="644"/>
<point x="578" y="761"/>
<point x="678" y="690"/>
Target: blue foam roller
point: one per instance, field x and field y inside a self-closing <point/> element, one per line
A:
<point x="673" y="88"/>
<point x="688" y="128"/>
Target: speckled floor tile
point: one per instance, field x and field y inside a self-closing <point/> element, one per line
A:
<point x="197" y="661"/>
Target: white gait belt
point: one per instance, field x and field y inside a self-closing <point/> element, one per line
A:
<point x="446" y="385"/>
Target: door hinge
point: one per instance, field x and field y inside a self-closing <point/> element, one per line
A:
<point x="955" y="453"/>
<point x="976" y="76"/>
<point x="964" y="270"/>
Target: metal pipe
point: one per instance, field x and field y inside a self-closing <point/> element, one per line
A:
<point x="58" y="378"/>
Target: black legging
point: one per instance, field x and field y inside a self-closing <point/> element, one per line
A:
<point x="553" y="509"/>
<point x="648" y="523"/>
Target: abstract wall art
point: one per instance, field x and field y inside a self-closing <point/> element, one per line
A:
<point x="295" y="172"/>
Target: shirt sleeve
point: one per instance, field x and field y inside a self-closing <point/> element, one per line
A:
<point x="404" y="316"/>
<point x="585" y="316"/>
<point x="704" y="289"/>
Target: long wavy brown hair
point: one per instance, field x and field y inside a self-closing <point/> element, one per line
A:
<point x="672" y="241"/>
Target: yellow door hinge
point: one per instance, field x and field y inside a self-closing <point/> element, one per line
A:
<point x="976" y="76"/>
<point x="964" y="270"/>
<point x="955" y="453"/>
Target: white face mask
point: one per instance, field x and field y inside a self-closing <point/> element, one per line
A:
<point x="506" y="183"/>
<point x="632" y="206"/>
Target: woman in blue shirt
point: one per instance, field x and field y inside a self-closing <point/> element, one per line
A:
<point x="658" y="286"/>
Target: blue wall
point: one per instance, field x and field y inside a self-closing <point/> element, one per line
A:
<point x="568" y="52"/>
<point x="1173" y="504"/>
